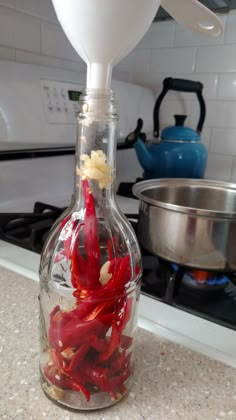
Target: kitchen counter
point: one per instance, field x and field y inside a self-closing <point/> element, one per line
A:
<point x="171" y="382"/>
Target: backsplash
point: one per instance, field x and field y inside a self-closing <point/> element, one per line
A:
<point x="30" y="32"/>
<point x="168" y="49"/>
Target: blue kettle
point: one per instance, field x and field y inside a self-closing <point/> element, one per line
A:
<point x="179" y="153"/>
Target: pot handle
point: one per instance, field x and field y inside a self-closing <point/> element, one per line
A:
<point x="180" y="85"/>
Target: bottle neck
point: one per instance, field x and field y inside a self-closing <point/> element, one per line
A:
<point x="96" y="145"/>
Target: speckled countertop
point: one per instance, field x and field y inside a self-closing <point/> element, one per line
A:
<point x="172" y="383"/>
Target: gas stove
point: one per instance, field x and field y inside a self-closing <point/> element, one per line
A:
<point x="37" y="166"/>
<point x="209" y="296"/>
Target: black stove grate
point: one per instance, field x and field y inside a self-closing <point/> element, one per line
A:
<point x="29" y="230"/>
<point x="125" y="189"/>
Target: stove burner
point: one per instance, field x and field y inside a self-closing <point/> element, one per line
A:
<point x="216" y="282"/>
<point x="203" y="280"/>
<point x="169" y="283"/>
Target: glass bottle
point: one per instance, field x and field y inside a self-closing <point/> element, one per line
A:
<point x="90" y="274"/>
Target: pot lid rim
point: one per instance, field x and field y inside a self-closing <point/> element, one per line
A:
<point x="142" y="186"/>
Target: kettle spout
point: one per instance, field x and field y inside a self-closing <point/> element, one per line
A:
<point x="144" y="156"/>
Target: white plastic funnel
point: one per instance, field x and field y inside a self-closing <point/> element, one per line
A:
<point x="103" y="32"/>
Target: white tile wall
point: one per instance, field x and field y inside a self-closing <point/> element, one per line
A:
<point x="223" y="141"/>
<point x="30" y="32"/>
<point x="7" y="53"/>
<point x="7" y="37"/>
<point x="219" y="114"/>
<point x="171" y="107"/>
<point x="159" y="36"/>
<point x="27" y="32"/>
<point x="8" y="3"/>
<point x="227" y="86"/>
<point x="230" y="33"/>
<point x="219" y="167"/>
<point x="55" y="43"/>
<point x="206" y="136"/>
<point x="180" y="60"/>
<point x="28" y="57"/>
<point x="19" y="30"/>
<point x="221" y="58"/>
<point x="177" y="52"/>
<point x="138" y="60"/>
<point x="74" y="65"/>
<point x="40" y="8"/>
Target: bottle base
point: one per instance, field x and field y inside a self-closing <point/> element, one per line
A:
<point x="75" y="401"/>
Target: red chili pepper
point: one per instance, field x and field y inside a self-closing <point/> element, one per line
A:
<point x="76" y="386"/>
<point x="119" y="380"/>
<point x="82" y="310"/>
<point x="64" y="222"/>
<point x="126" y="342"/>
<point x="113" y="395"/>
<point x="112" y="359"/>
<point x="98" y="344"/>
<point x="80" y="377"/>
<point x="91" y="239"/>
<point x="121" y="274"/>
<point x="101" y="308"/>
<point x="57" y="360"/>
<point x="117" y="363"/>
<point x="61" y="377"/>
<point x="114" y="288"/>
<point x="113" y="344"/>
<point x="59" y="256"/>
<point x="69" y="331"/>
<point x="77" y="313"/>
<point x="78" y="358"/>
<point x="54" y="311"/>
<point x="96" y="374"/>
<point x="122" y="389"/>
<point x="67" y="246"/>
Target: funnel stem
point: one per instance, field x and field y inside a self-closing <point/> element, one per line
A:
<point x="99" y="76"/>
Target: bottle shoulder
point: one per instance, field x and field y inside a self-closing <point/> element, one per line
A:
<point x="89" y="246"/>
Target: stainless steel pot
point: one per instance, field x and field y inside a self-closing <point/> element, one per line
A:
<point x="190" y="222"/>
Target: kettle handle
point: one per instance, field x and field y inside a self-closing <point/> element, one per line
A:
<point x="180" y="85"/>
